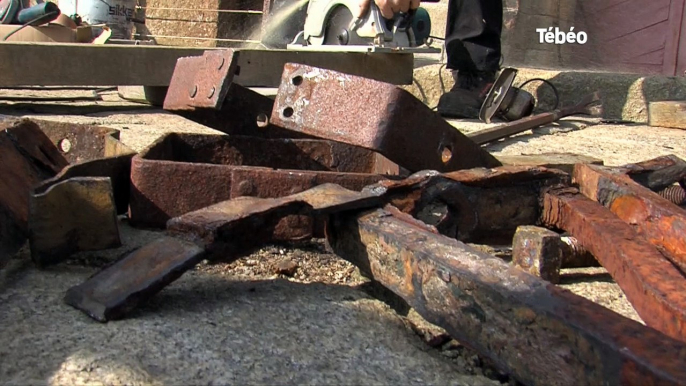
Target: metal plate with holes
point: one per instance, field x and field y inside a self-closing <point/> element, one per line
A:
<point x="374" y="115"/>
<point x="202" y="81"/>
<point x="180" y="173"/>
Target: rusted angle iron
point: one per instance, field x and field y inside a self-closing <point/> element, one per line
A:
<point x="653" y="217"/>
<point x="651" y="283"/>
<point x="180" y="173"/>
<point x="536" y="331"/>
<point x="375" y="115"/>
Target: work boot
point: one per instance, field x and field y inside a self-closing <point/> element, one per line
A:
<point x="464" y="100"/>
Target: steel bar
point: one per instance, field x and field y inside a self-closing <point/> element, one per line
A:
<point x="387" y="119"/>
<point x="536" y="331"/>
<point x="77" y="214"/>
<point x="180" y="173"/>
<point x="658" y="220"/>
<point x="651" y="283"/>
<point x="115" y="291"/>
<point x="220" y="228"/>
<point x="587" y="106"/>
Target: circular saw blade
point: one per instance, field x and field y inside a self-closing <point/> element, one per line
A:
<point x="336" y="31"/>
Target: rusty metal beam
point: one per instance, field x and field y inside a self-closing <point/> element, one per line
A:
<point x="658" y="220"/>
<point x="115" y="291"/>
<point x="180" y="173"/>
<point x="474" y="205"/>
<point x="651" y="283"/>
<point x="539" y="333"/>
<point x="222" y="229"/>
<point x="374" y="115"/>
<point x="659" y="173"/>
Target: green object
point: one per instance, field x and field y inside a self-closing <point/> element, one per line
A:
<point x="39" y="14"/>
<point x="8" y="9"/>
<point x="421" y="26"/>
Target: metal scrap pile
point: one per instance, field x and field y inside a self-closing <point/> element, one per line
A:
<point x="395" y="190"/>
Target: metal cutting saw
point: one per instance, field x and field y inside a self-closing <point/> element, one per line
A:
<point x="331" y="25"/>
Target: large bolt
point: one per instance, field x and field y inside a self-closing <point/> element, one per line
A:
<point x="193" y="91"/>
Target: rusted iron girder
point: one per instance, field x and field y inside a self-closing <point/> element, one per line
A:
<point x="658" y="220"/>
<point x="536" y="331"/>
<point x="220" y="228"/>
<point x="475" y="205"/>
<point x="651" y="283"/>
<point x="374" y="115"/>
<point x="180" y="173"/>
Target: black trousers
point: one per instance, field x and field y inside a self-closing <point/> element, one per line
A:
<point x="473" y="35"/>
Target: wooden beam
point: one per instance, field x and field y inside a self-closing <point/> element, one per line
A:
<point x="29" y="64"/>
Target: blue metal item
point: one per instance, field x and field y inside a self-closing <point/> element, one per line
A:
<point x="39" y="14"/>
<point x="8" y="9"/>
<point x="421" y="26"/>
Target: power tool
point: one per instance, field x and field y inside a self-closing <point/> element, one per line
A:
<point x="330" y="25"/>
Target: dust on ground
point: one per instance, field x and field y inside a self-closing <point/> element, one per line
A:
<point x="284" y="314"/>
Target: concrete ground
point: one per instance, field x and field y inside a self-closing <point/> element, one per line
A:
<point x="244" y="323"/>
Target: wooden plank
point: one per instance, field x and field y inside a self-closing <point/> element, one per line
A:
<point x="122" y="65"/>
<point x="561" y="161"/>
<point x="670" y="114"/>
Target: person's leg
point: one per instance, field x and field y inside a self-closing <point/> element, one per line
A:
<point x="473" y="49"/>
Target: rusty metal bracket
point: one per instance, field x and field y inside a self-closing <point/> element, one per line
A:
<point x="203" y="89"/>
<point x="92" y="151"/>
<point x="541" y="334"/>
<point x="651" y="283"/>
<point x="658" y="220"/>
<point x="374" y="115"/>
<point x="202" y="81"/>
<point x="180" y="173"/>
